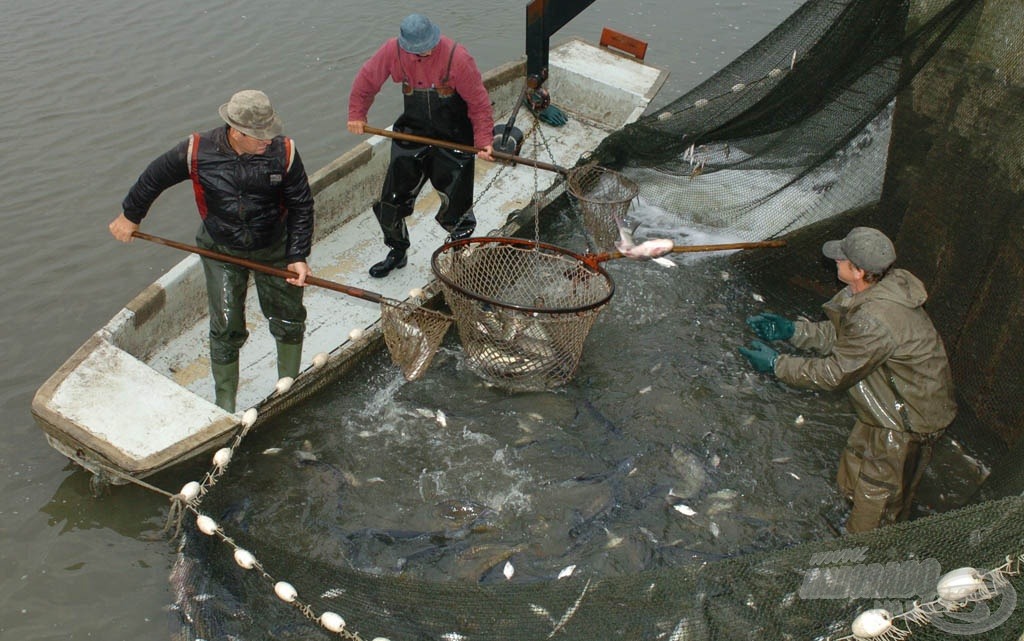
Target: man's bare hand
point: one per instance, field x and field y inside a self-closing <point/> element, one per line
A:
<point x="122" y="229"/>
<point x="302" y="269"/>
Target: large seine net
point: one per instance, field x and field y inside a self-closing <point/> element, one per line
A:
<point x="790" y="139"/>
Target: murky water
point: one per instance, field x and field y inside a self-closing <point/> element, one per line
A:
<point x="662" y="413"/>
<point x="666" y="448"/>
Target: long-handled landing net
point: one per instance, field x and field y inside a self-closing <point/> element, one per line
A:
<point x="412" y="333"/>
<point x="524" y="308"/>
<point x="601" y="195"/>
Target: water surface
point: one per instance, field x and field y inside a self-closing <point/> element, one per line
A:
<point x="96" y="90"/>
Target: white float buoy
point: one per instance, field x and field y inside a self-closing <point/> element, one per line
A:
<point x="355" y="334"/>
<point x="320" y="359"/>
<point x="960" y="584"/>
<point x="332" y="621"/>
<point x="205" y="524"/>
<point x="284" y="384"/>
<point x="701" y="103"/>
<point x="245" y="559"/>
<point x="417" y="292"/>
<point x="738" y="87"/>
<point x="872" y="623"/>
<point x="190" y="490"/>
<point x="285" y="591"/>
<point x="249" y="417"/>
<point x="775" y="73"/>
<point x="222" y="457"/>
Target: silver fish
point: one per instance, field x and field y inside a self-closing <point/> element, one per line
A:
<point x="305" y="453"/>
<point x="654" y="248"/>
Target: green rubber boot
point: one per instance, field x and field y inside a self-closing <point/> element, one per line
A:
<point x="289" y="357"/>
<point x="225" y="384"/>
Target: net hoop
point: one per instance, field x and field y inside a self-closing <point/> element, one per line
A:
<point x="522" y="308"/>
<point x="451" y="280"/>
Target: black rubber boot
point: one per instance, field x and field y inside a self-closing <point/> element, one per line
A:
<point x="395" y="260"/>
<point x="225" y="384"/>
<point x="460" y="235"/>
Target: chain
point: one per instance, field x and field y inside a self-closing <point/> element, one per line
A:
<point x="551" y="156"/>
<point x="535" y="198"/>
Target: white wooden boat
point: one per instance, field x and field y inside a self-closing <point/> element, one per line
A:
<point x="137" y="397"/>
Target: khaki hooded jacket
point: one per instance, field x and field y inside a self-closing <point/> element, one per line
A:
<point x="882" y="348"/>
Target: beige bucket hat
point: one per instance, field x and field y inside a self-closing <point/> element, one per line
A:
<point x="250" y="112"/>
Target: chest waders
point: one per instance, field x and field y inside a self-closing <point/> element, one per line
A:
<point x="226" y="285"/>
<point x="435" y="112"/>
<point x="880" y="471"/>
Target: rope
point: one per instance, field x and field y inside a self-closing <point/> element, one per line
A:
<point x="189" y="499"/>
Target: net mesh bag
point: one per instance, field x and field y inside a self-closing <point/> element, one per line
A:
<point x="523" y="309"/>
<point x="602" y="197"/>
<point x="412" y="335"/>
<point x="792" y="138"/>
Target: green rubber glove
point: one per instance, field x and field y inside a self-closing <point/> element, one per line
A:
<point x="771" y="327"/>
<point x="553" y="116"/>
<point x="760" y="356"/>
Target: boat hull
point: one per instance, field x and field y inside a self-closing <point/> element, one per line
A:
<point x="137" y="397"/>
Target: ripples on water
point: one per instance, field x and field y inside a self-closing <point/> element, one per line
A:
<point x="665" y="449"/>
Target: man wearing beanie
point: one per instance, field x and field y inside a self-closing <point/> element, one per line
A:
<point x="444" y="98"/>
<point x="879" y="345"/>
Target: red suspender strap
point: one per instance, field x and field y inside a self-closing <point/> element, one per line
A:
<point x="289" y="154"/>
<point x="193" y="172"/>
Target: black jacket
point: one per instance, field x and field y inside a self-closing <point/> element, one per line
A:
<point x="246" y="202"/>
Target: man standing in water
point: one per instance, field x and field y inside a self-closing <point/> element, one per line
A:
<point x="880" y="346"/>
<point x="445" y="99"/>
<point x="255" y="203"/>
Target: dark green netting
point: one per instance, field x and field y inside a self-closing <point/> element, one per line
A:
<point x="759" y="596"/>
<point x="900" y="114"/>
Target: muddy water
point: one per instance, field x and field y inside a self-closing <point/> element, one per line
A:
<point x="580" y="476"/>
<point x="666" y="448"/>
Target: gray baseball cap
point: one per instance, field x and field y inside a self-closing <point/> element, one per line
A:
<point x="250" y="112"/>
<point x="417" y="34"/>
<point x="865" y="247"/>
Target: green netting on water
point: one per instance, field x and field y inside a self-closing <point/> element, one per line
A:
<point x="760" y="596"/>
<point x="904" y="115"/>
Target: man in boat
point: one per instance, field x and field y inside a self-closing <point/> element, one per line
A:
<point x="445" y="99"/>
<point x="255" y="203"/>
<point x="879" y="345"/>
